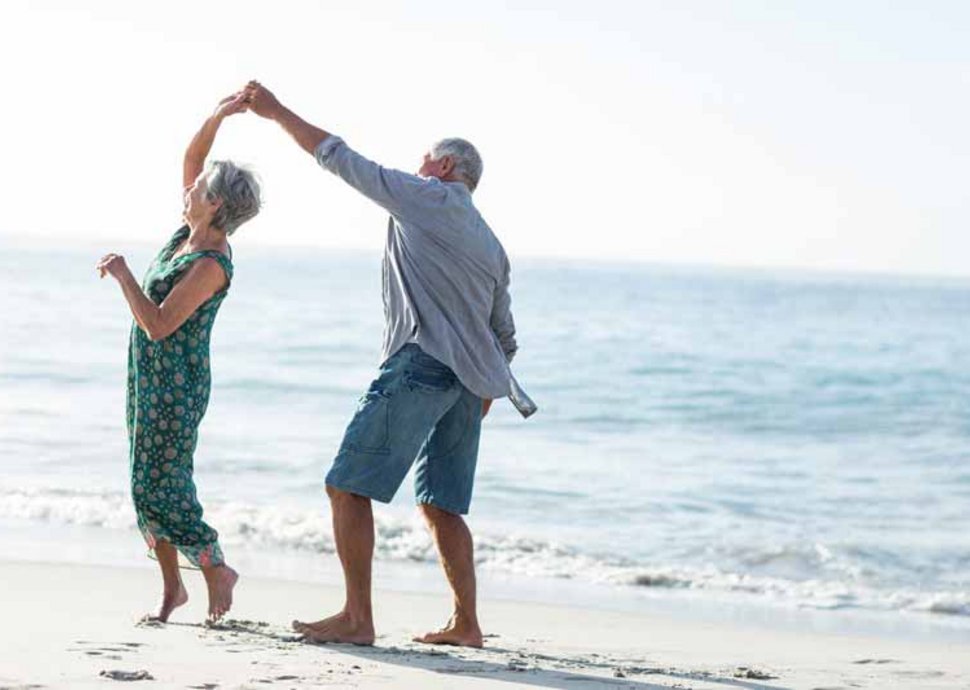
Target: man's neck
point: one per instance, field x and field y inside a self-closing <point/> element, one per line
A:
<point x="454" y="178"/>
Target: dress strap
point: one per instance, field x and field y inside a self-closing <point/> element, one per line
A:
<point x="178" y="238"/>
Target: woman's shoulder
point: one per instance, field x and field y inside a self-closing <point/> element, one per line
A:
<point x="217" y="261"/>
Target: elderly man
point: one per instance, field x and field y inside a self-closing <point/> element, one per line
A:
<point x="448" y="341"/>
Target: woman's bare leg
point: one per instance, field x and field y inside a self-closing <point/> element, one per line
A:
<point x="173" y="591"/>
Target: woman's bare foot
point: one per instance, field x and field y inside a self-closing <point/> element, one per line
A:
<point x="171" y="600"/>
<point x="338" y="628"/>
<point x="219" y="580"/>
<point x="457" y="631"/>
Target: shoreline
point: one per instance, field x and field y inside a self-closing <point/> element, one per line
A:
<point x="90" y="546"/>
<point x="527" y="644"/>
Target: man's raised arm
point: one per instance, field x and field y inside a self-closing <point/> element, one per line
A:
<point x="400" y="193"/>
<point x="265" y="104"/>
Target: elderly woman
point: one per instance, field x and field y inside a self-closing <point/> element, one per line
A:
<point x="168" y="364"/>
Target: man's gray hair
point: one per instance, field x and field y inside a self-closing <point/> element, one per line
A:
<point x="468" y="162"/>
<point x="239" y="191"/>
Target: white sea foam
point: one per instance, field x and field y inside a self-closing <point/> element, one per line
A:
<point x="253" y="526"/>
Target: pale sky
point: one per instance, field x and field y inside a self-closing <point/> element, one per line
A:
<point x="825" y="135"/>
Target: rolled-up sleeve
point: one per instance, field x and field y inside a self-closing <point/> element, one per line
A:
<point x="398" y="192"/>
<point x="325" y="148"/>
<point x="501" y="321"/>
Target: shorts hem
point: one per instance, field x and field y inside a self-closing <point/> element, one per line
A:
<point x="442" y="505"/>
<point x="359" y="491"/>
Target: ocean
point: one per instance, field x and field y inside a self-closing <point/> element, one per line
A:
<point x="788" y="439"/>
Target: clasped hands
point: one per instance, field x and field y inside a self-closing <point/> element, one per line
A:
<point x="253" y="96"/>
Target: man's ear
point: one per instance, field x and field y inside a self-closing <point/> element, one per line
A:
<point x="447" y="165"/>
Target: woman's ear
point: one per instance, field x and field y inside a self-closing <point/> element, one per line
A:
<point x="213" y="210"/>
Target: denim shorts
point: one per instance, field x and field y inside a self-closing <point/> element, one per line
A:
<point x="416" y="409"/>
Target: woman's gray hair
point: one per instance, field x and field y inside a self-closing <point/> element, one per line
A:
<point x="468" y="162"/>
<point x="238" y="189"/>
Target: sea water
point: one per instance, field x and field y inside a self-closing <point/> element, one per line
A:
<point x="794" y="439"/>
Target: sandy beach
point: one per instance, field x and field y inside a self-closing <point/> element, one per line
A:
<point x="259" y="258"/>
<point x="74" y="626"/>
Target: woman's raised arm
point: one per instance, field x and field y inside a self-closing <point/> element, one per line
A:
<point x="201" y="143"/>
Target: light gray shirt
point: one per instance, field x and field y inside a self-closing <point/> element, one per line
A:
<point x="446" y="276"/>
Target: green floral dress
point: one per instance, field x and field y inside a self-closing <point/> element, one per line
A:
<point x="168" y="391"/>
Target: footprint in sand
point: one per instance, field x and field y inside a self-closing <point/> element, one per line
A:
<point x="920" y="674"/>
<point x="753" y="674"/>
<point x="127" y="675"/>
<point x="112" y="652"/>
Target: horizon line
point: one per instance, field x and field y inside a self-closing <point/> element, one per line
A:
<point x="23" y="240"/>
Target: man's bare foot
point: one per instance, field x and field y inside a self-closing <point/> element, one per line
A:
<point x="170" y="601"/>
<point x="338" y="628"/>
<point x="320" y="624"/>
<point x="457" y="632"/>
<point x="220" y="581"/>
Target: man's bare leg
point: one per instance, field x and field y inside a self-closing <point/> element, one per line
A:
<point x="173" y="591"/>
<point x="353" y="532"/>
<point x="219" y="580"/>
<point x="456" y="548"/>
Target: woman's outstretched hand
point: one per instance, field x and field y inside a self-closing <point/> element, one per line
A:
<point x="113" y="265"/>
<point x="235" y="103"/>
